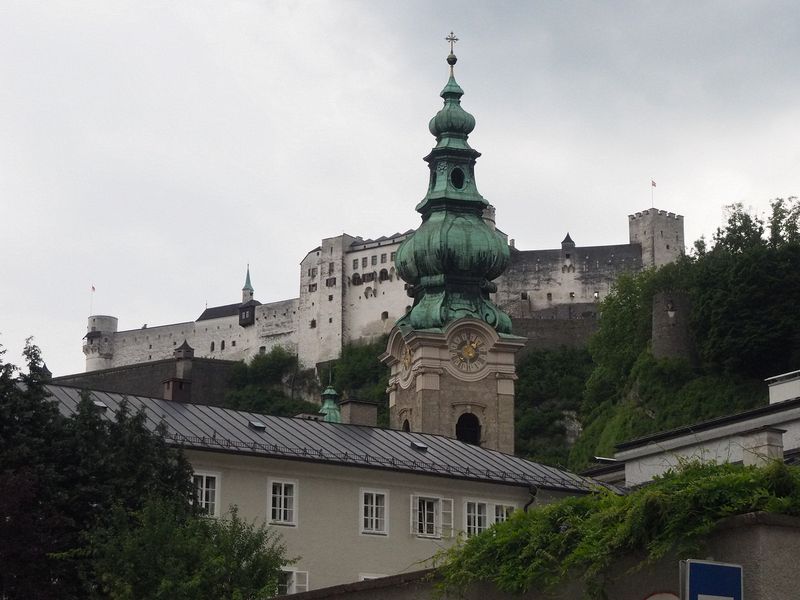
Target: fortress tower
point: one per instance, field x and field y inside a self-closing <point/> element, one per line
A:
<point x="661" y="235"/>
<point x="98" y="343"/>
<point x="452" y="355"/>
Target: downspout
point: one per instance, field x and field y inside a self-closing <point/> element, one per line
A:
<point x="532" y="490"/>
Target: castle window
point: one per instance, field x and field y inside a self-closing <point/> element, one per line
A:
<point x="476" y="517"/>
<point x="364" y="262"/>
<point x="549" y="296"/>
<point x="567" y="255"/>
<point x="572" y="294"/>
<point x="330" y="319"/>
<point x="330" y="282"/>
<point x="312" y="325"/>
<point x="356" y="279"/>
<point x="313" y="271"/>
<point x="312" y="287"/>
<point x="393" y="255"/>
<point x="384" y="315"/>
<point x="667" y="246"/>
<point x="222" y="345"/>
<point x="383" y="258"/>
<point x="233" y="343"/>
<point x="212" y="346"/>
<point x="330" y="268"/>
<point x="383" y="275"/>
<point x="330" y="297"/>
<point x="406" y="426"/>
<point x="596" y="295"/>
<point x="523" y="295"/>
<point x="262" y="350"/>
<point x="374" y="259"/>
<point x="355" y="264"/>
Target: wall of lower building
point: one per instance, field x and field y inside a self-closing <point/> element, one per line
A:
<point x="765" y="545"/>
<point x="329" y="511"/>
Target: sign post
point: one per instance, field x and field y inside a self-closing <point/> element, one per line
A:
<point x="706" y="580"/>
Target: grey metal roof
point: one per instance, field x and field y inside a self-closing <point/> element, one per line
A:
<point x="201" y="427"/>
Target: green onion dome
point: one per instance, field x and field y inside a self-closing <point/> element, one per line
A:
<point x="452" y="119"/>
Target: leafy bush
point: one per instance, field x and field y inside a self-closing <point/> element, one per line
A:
<point x="581" y="537"/>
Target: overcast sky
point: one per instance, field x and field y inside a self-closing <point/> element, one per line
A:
<point x="153" y="149"/>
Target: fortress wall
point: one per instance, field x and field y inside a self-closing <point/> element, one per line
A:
<point x="548" y="334"/>
<point x="569" y="276"/>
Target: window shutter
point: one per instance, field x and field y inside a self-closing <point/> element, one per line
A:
<point x="414" y="514"/>
<point x="300" y="581"/>
<point x="447" y="517"/>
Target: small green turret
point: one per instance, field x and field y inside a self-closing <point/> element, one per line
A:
<point x="330" y="409"/>
<point x="451" y="260"/>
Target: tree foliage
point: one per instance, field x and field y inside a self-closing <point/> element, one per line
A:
<point x="261" y="385"/>
<point x="66" y="479"/>
<point x="160" y="552"/>
<point x="582" y="537"/>
<point x="743" y="328"/>
<point x="359" y="374"/>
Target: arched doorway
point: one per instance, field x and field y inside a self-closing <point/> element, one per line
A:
<point x="468" y="429"/>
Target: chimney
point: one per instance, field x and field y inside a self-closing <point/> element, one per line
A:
<point x="179" y="387"/>
<point x="356" y="412"/>
<point x="763" y="445"/>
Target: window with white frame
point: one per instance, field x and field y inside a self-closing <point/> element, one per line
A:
<point x="502" y="512"/>
<point x="431" y="516"/>
<point x="373" y="512"/>
<point x="292" y="582"/>
<point x="479" y="515"/>
<point x="206" y="487"/>
<point x="282" y="502"/>
<point x="476" y="515"/>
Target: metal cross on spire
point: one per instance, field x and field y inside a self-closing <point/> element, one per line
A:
<point x="452" y="39"/>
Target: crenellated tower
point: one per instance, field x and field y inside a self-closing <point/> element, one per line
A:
<point x="452" y="354"/>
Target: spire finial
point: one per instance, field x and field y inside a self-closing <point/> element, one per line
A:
<point x="451" y="58"/>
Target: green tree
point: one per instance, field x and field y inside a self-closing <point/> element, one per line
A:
<point x="359" y="374"/>
<point x="161" y="552"/>
<point x="259" y="385"/>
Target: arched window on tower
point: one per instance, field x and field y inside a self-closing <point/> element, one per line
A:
<point x="383" y="275"/>
<point x="406" y="425"/>
<point x="468" y="429"/>
<point x="212" y="346"/>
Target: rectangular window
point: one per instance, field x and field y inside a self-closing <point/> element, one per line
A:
<point x="292" y="582"/>
<point x="330" y="282"/>
<point x="282" y="502"/>
<point x="383" y="258"/>
<point x="312" y="287"/>
<point x="393" y="255"/>
<point x="374" y="259"/>
<point x="431" y="516"/>
<point x="373" y="512"/>
<point x="476" y="518"/>
<point x="355" y="264"/>
<point x="314" y="272"/>
<point x="502" y="512"/>
<point x="207" y="493"/>
<point x="330" y="268"/>
<point x="364" y="262"/>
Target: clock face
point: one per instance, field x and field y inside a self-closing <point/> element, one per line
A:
<point x="468" y="351"/>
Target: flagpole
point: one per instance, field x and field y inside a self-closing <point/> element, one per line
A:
<point x="91" y="301"/>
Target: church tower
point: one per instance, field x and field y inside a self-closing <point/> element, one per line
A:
<point x="452" y="355"/>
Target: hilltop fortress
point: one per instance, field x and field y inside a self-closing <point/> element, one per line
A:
<point x="350" y="291"/>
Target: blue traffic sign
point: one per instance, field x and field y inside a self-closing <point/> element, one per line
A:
<point x="705" y="580"/>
